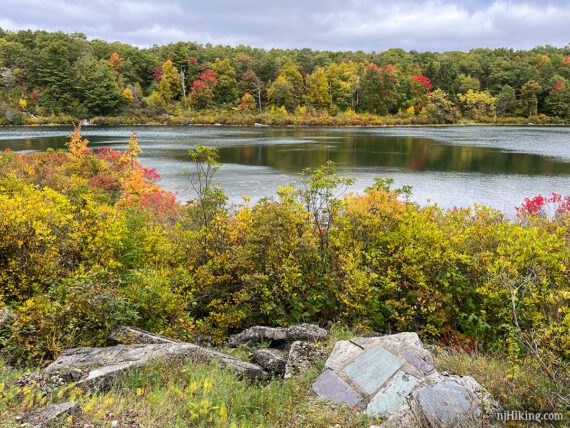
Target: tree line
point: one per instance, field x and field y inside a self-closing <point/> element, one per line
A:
<point x="49" y="73"/>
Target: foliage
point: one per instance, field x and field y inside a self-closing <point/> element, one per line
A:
<point x="169" y="85"/>
<point x="61" y="74"/>
<point x="477" y="105"/>
<point x="88" y="239"/>
<point x="529" y="96"/>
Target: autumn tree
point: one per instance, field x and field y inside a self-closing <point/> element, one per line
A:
<point x="477" y="105"/>
<point x="281" y="93"/>
<point x="344" y="80"/>
<point x="318" y="90"/>
<point x="529" y="96"/>
<point x="225" y="91"/>
<point x="291" y="74"/>
<point x="202" y="93"/>
<point x="252" y="84"/>
<point x="247" y="102"/>
<point x="379" y="89"/>
<point x="169" y="88"/>
<point x="420" y="87"/>
<point x="558" y="100"/>
<point x="441" y="109"/>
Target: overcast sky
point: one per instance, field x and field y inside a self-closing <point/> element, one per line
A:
<point x="320" y="24"/>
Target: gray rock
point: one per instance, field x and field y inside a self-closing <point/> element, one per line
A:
<point x="44" y="417"/>
<point x="258" y="334"/>
<point x="343" y="352"/>
<point x="273" y="360"/>
<point x="131" y="335"/>
<point x="6" y="316"/>
<point x="396" y="379"/>
<point x="48" y="382"/>
<point x="302" y="356"/>
<point x="331" y="387"/>
<point x="278" y="336"/>
<point x="418" y="361"/>
<point x="307" y="332"/>
<point x="101" y="366"/>
<point x="446" y="401"/>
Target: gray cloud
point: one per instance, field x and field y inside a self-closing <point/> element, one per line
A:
<point x="325" y="24"/>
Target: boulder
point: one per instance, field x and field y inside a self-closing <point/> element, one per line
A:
<point x="306" y="332"/>
<point x="442" y="400"/>
<point x="101" y="366"/>
<point x="394" y="377"/>
<point x="273" y="360"/>
<point x="257" y="334"/>
<point x="302" y="356"/>
<point x="46" y="416"/>
<point x="278" y="336"/>
<point x="121" y="335"/>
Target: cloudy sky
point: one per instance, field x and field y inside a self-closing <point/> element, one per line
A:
<point x="321" y="24"/>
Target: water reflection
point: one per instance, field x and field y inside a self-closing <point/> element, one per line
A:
<point x="451" y="166"/>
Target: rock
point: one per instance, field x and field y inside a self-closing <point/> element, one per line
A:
<point x="446" y="401"/>
<point x="258" y="334"/>
<point x="273" y="360"/>
<point x="44" y="417"/>
<point x="48" y="382"/>
<point x="101" y="366"/>
<point x="6" y="316"/>
<point x="307" y="332"/>
<point x="394" y="377"/>
<point x="302" y="357"/>
<point x="330" y="386"/>
<point x="278" y="336"/>
<point x="131" y="335"/>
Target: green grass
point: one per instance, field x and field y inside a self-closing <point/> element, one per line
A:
<point x="185" y="394"/>
<point x="515" y="385"/>
<point x="189" y="395"/>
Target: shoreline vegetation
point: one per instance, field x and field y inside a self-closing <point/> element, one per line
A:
<point x="54" y="77"/>
<point x="90" y="240"/>
<point x="268" y="119"/>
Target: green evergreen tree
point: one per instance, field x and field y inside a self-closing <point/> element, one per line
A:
<point x="96" y="86"/>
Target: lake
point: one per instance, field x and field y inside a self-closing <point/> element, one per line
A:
<point x="450" y="166"/>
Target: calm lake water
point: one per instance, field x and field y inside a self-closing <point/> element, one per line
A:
<point x="451" y="166"/>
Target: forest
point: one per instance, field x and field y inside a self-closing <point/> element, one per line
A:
<point x="53" y="77"/>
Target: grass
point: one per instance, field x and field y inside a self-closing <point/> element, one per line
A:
<point x="189" y="395"/>
<point x="516" y="386"/>
<point x="185" y="394"/>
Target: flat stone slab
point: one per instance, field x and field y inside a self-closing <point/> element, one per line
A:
<point x="101" y="365"/>
<point x="391" y="396"/>
<point x="331" y="387"/>
<point x="445" y="402"/>
<point x="343" y="352"/>
<point x="394" y="377"/>
<point x="373" y="368"/>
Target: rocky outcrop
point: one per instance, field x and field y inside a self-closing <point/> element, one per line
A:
<point x="302" y="357"/>
<point x="394" y="377"/>
<point x="46" y="416"/>
<point x="101" y="366"/>
<point x="273" y="360"/>
<point x="278" y="336"/>
<point x="130" y="335"/>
